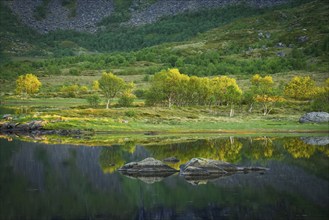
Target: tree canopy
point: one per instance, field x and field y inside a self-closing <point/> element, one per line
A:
<point x="27" y="84"/>
<point x="111" y="86"/>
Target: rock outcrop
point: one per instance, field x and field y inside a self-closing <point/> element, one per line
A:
<point x="35" y="127"/>
<point x="173" y="7"/>
<point x="89" y="13"/>
<point x="148" y="167"/>
<point x="28" y="126"/>
<point x="196" y="171"/>
<point x="315" y="117"/>
<point x="200" y="170"/>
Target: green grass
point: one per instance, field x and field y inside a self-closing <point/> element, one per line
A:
<point x="75" y="114"/>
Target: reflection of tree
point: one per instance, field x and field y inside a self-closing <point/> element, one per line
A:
<point x="261" y="148"/>
<point x="216" y="149"/>
<point x="324" y="149"/>
<point x="229" y="150"/>
<point x="112" y="158"/>
<point x="298" y="149"/>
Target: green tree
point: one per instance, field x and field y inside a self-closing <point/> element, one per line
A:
<point x="127" y="97"/>
<point x="233" y="95"/>
<point x="27" y="84"/>
<point x="199" y="91"/>
<point x="321" y="100"/>
<point x="111" y="86"/>
<point x="168" y="87"/>
<point x="93" y="100"/>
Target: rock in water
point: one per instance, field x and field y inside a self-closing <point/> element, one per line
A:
<point x="148" y="167"/>
<point x="201" y="170"/>
<point x="314" y="117"/>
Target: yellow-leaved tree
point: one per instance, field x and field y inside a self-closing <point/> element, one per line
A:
<point x="301" y="88"/>
<point x="264" y="93"/>
<point x="27" y="84"/>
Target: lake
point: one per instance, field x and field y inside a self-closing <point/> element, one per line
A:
<point x="64" y="181"/>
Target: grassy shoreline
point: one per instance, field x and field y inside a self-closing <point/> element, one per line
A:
<point x="73" y="115"/>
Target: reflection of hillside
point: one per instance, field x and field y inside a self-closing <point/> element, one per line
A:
<point x="67" y="182"/>
<point x="34" y="161"/>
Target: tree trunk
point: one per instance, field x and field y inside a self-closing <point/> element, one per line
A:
<point x="232" y="112"/>
<point x="265" y="110"/>
<point x="231" y="140"/>
<point x="250" y="108"/>
<point x="108" y="104"/>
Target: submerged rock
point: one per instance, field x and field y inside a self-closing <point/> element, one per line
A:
<point x="314" y="117"/>
<point x="200" y="170"/>
<point x="147" y="167"/>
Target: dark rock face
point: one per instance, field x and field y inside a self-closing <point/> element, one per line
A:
<point x="314" y="117"/>
<point x="173" y="7"/>
<point x="89" y="13"/>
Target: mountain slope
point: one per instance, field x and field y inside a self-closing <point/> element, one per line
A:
<point x="83" y="15"/>
<point x="272" y="42"/>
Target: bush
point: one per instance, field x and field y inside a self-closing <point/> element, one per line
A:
<point x="321" y="102"/>
<point x="126" y="99"/>
<point x="70" y="91"/>
<point x="140" y="93"/>
<point x="130" y="113"/>
<point x="74" y="72"/>
<point x="94" y="100"/>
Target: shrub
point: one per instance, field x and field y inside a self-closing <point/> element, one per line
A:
<point x="130" y="113"/>
<point x="140" y="93"/>
<point x="126" y="99"/>
<point x="93" y="100"/>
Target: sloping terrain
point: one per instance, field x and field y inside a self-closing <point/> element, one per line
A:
<point x="83" y="15"/>
<point x="280" y="41"/>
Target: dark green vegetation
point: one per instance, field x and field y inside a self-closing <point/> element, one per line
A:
<point x="265" y="41"/>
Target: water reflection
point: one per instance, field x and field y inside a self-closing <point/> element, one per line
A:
<point x="40" y="181"/>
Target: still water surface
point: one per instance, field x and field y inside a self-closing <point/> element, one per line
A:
<point x="40" y="181"/>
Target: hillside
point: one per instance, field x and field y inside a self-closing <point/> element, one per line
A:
<point x="241" y="42"/>
<point x="84" y="15"/>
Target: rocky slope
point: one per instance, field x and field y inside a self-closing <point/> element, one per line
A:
<point x="89" y="12"/>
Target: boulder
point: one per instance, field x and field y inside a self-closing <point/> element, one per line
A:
<point x="148" y="167"/>
<point x="201" y="169"/>
<point x="7" y="117"/>
<point x="302" y="39"/>
<point x="324" y="140"/>
<point x="314" y="117"/>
